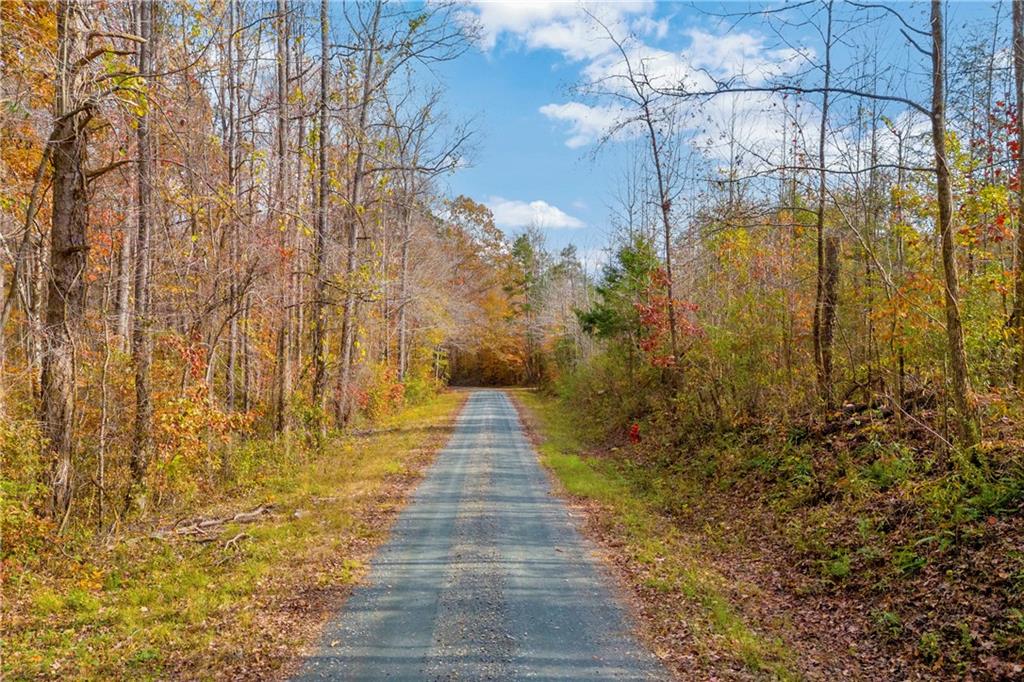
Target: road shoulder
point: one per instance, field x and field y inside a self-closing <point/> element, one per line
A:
<point x="684" y="608"/>
<point x="240" y="586"/>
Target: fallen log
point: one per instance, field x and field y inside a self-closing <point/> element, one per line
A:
<point x="203" y="526"/>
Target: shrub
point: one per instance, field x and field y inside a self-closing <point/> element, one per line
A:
<point x="382" y="393"/>
<point x="22" y="530"/>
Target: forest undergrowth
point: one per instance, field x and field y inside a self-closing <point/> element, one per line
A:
<point x="230" y="585"/>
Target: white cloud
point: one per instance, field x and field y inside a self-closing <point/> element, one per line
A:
<point x="662" y="68"/>
<point x="562" y="26"/>
<point x="648" y="26"/>
<point x="705" y="55"/>
<point x="753" y="118"/>
<point x="512" y="214"/>
<point x="587" y="124"/>
<point x="740" y="54"/>
<point x="575" y="38"/>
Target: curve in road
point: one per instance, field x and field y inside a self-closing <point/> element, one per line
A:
<point x="484" y="577"/>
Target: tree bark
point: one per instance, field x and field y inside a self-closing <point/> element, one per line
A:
<point x="827" y="248"/>
<point x="344" y="404"/>
<point x="124" y="288"/>
<point x="125" y="280"/>
<point x="319" y="257"/>
<point x="65" y="303"/>
<point x="403" y="294"/>
<point x="233" y="237"/>
<point x="284" y="368"/>
<point x="1018" y="82"/>
<point x="963" y="395"/>
<point x="142" y="349"/>
<point x="300" y="178"/>
<point x="666" y="224"/>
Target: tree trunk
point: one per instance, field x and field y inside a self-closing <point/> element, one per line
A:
<point x="104" y="429"/>
<point x="963" y="395"/>
<point x="247" y="364"/>
<point x="125" y="281"/>
<point x="65" y="303"/>
<point x="666" y="225"/>
<point x="298" y="279"/>
<point x="1018" y="81"/>
<point x="829" y="303"/>
<point x="284" y="356"/>
<point x="124" y="287"/>
<point x="142" y="350"/>
<point x="319" y="257"/>
<point x="827" y="249"/>
<point x="233" y="293"/>
<point x="37" y="283"/>
<point x="385" y="293"/>
<point x="403" y="296"/>
<point x="344" y="404"/>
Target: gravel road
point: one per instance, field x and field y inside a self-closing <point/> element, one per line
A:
<point x="484" y="578"/>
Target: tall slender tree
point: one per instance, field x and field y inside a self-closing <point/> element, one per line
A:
<point x="1018" y="81"/>
<point x="319" y="321"/>
<point x="233" y="115"/>
<point x="282" y="424"/>
<point x="963" y="394"/>
<point x="368" y="38"/>
<point x="827" y="245"/>
<point x="142" y="349"/>
<point x="646" y="109"/>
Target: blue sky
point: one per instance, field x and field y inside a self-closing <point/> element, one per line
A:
<point x="533" y="159"/>
<point x="521" y="156"/>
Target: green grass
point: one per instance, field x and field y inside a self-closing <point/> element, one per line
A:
<point x="672" y="566"/>
<point x="144" y="608"/>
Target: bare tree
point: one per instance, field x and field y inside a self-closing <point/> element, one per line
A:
<point x="384" y="38"/>
<point x="142" y="349"/>
<point x="367" y="35"/>
<point x="1018" y="81"/>
<point x="282" y="423"/>
<point x="645" y="107"/>
<point x="233" y="117"/>
<point x="421" y="154"/>
<point x="827" y="246"/>
<point x="963" y="394"/>
<point x="319" y="252"/>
